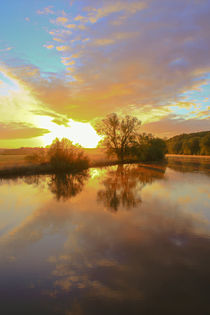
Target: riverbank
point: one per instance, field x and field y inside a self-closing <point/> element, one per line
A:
<point x="184" y="156"/>
<point x="46" y="169"/>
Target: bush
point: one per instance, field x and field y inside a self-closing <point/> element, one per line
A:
<point x="64" y="156"/>
<point x="61" y="156"/>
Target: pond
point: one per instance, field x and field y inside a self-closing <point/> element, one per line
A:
<point x="117" y="240"/>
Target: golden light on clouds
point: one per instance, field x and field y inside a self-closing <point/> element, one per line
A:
<point x="102" y="57"/>
<point x="79" y="133"/>
<point x="62" y="48"/>
<point x="19" y="106"/>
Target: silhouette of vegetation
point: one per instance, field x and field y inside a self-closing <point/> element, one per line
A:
<point x="64" y="156"/>
<point x="123" y="185"/>
<point x="119" y="134"/>
<point x="194" y="143"/>
<point x="148" y="148"/>
<point x="122" y="139"/>
<point x="65" y="186"/>
<point x="61" y="156"/>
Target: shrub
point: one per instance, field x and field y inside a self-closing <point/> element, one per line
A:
<point x="64" y="156"/>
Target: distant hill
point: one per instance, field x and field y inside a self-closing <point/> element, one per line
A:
<point x="197" y="143"/>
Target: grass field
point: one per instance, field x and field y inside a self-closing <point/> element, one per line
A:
<point x="95" y="155"/>
<point x="12" y="160"/>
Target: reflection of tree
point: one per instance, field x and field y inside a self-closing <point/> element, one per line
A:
<point x="122" y="186"/>
<point x="65" y="186"/>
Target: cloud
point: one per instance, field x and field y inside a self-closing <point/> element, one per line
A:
<point x="48" y="46"/>
<point x="132" y="57"/>
<point x="58" y="39"/>
<point x="95" y="14"/>
<point x="71" y="26"/>
<point x="61" y="20"/>
<point x="6" y="49"/>
<point x="62" y="48"/>
<point x="171" y="126"/>
<point x="46" y="11"/>
<point x="20" y="131"/>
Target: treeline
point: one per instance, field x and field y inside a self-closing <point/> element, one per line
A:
<point x="193" y="143"/>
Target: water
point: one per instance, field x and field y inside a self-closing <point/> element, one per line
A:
<point x="116" y="240"/>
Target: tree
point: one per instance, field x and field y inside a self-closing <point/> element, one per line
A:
<point x="119" y="133"/>
<point x="148" y="148"/>
<point x="205" y="145"/>
<point x="191" y="146"/>
<point x="192" y="143"/>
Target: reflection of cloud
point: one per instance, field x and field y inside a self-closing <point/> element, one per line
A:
<point x="154" y="256"/>
<point x="129" y="258"/>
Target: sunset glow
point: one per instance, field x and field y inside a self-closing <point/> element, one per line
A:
<point x="79" y="133"/>
<point x="104" y="157"/>
<point x="76" y="61"/>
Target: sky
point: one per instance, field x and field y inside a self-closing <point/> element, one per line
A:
<point x="65" y="64"/>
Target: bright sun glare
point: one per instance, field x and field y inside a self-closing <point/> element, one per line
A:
<point x="79" y="133"/>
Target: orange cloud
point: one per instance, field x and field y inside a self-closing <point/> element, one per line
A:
<point x="58" y="39"/>
<point x="46" y="11"/>
<point x="71" y="26"/>
<point x="128" y="8"/>
<point x="61" y="20"/>
<point x="145" y="71"/>
<point x="62" y="48"/>
<point x="48" y="46"/>
<point x="68" y="63"/>
<point x="20" y="131"/>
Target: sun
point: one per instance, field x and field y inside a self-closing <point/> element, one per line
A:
<point x="79" y="133"/>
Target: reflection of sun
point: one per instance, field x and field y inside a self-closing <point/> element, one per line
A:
<point x="79" y="133"/>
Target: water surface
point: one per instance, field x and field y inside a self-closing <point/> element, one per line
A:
<point x="116" y="240"/>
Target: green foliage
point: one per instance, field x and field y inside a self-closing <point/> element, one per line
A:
<point x="64" y="156"/>
<point x="195" y="143"/>
<point x="205" y="144"/>
<point x="148" y="148"/>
